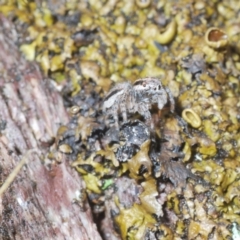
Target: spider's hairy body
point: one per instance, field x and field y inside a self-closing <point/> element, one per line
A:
<point x="126" y="98"/>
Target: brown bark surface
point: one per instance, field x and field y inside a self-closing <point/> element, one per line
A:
<point x="39" y="204"/>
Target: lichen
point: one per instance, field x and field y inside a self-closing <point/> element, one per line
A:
<point x="187" y="168"/>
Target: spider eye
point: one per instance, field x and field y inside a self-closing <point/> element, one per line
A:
<point x="159" y="87"/>
<point x="155" y="89"/>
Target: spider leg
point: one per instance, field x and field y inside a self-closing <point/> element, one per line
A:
<point x="106" y="118"/>
<point x="114" y="113"/>
<point x="161" y="99"/>
<point x="143" y="109"/>
<point x="123" y="111"/>
<point x="171" y="99"/>
<point x="131" y="105"/>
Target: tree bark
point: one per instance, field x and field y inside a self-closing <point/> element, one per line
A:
<point x="39" y="204"/>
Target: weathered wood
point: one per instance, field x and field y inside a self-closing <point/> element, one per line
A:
<point x="39" y="204"/>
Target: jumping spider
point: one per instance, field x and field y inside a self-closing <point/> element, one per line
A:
<point x="139" y="97"/>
